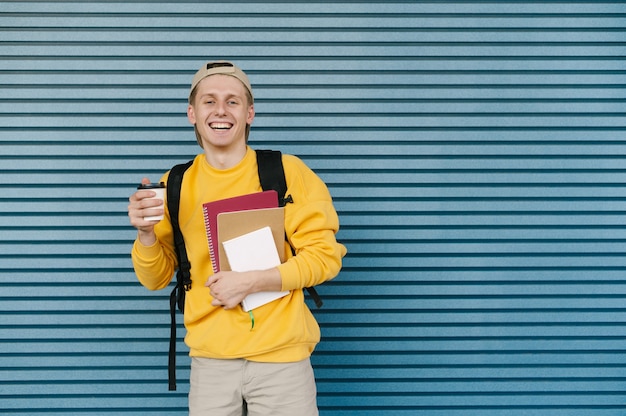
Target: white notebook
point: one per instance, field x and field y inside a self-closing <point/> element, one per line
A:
<point x="254" y="251"/>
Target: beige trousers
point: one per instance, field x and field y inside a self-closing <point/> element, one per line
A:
<point x="247" y="388"/>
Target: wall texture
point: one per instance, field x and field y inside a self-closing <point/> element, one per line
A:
<point x="475" y="151"/>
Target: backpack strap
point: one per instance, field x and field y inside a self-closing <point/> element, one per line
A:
<point x="183" y="275"/>
<point x="272" y="176"/>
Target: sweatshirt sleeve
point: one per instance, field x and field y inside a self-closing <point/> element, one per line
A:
<point x="311" y="223"/>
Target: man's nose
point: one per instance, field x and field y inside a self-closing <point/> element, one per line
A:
<point x="220" y="108"/>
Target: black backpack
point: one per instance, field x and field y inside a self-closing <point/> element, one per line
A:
<point x="271" y="176"/>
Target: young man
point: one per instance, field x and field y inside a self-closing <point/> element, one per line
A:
<point x="234" y="370"/>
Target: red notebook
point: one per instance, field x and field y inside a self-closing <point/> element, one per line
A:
<point x="258" y="200"/>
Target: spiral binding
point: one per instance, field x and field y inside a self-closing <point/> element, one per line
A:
<point x="207" y="227"/>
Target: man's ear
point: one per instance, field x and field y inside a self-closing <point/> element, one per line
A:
<point x="191" y="114"/>
<point x="250" y="114"/>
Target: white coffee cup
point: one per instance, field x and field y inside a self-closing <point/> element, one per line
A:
<point x="159" y="189"/>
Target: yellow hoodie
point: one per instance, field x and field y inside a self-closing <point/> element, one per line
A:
<point x="284" y="330"/>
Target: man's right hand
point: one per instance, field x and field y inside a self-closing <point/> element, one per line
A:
<point x="141" y="206"/>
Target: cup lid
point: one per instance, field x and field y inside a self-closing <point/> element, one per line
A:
<point x="151" y="185"/>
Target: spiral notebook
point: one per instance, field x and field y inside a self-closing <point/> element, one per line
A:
<point x="265" y="199"/>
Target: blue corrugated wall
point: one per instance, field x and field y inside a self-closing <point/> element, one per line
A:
<point x="475" y="149"/>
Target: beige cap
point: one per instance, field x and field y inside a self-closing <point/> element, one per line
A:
<point x="223" y="68"/>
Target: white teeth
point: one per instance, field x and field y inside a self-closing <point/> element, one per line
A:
<point x="220" y="126"/>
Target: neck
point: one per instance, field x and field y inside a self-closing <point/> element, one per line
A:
<point x="225" y="158"/>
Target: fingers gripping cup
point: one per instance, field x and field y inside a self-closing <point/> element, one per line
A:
<point x="159" y="189"/>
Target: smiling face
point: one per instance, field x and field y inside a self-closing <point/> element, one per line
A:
<point x="220" y="110"/>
